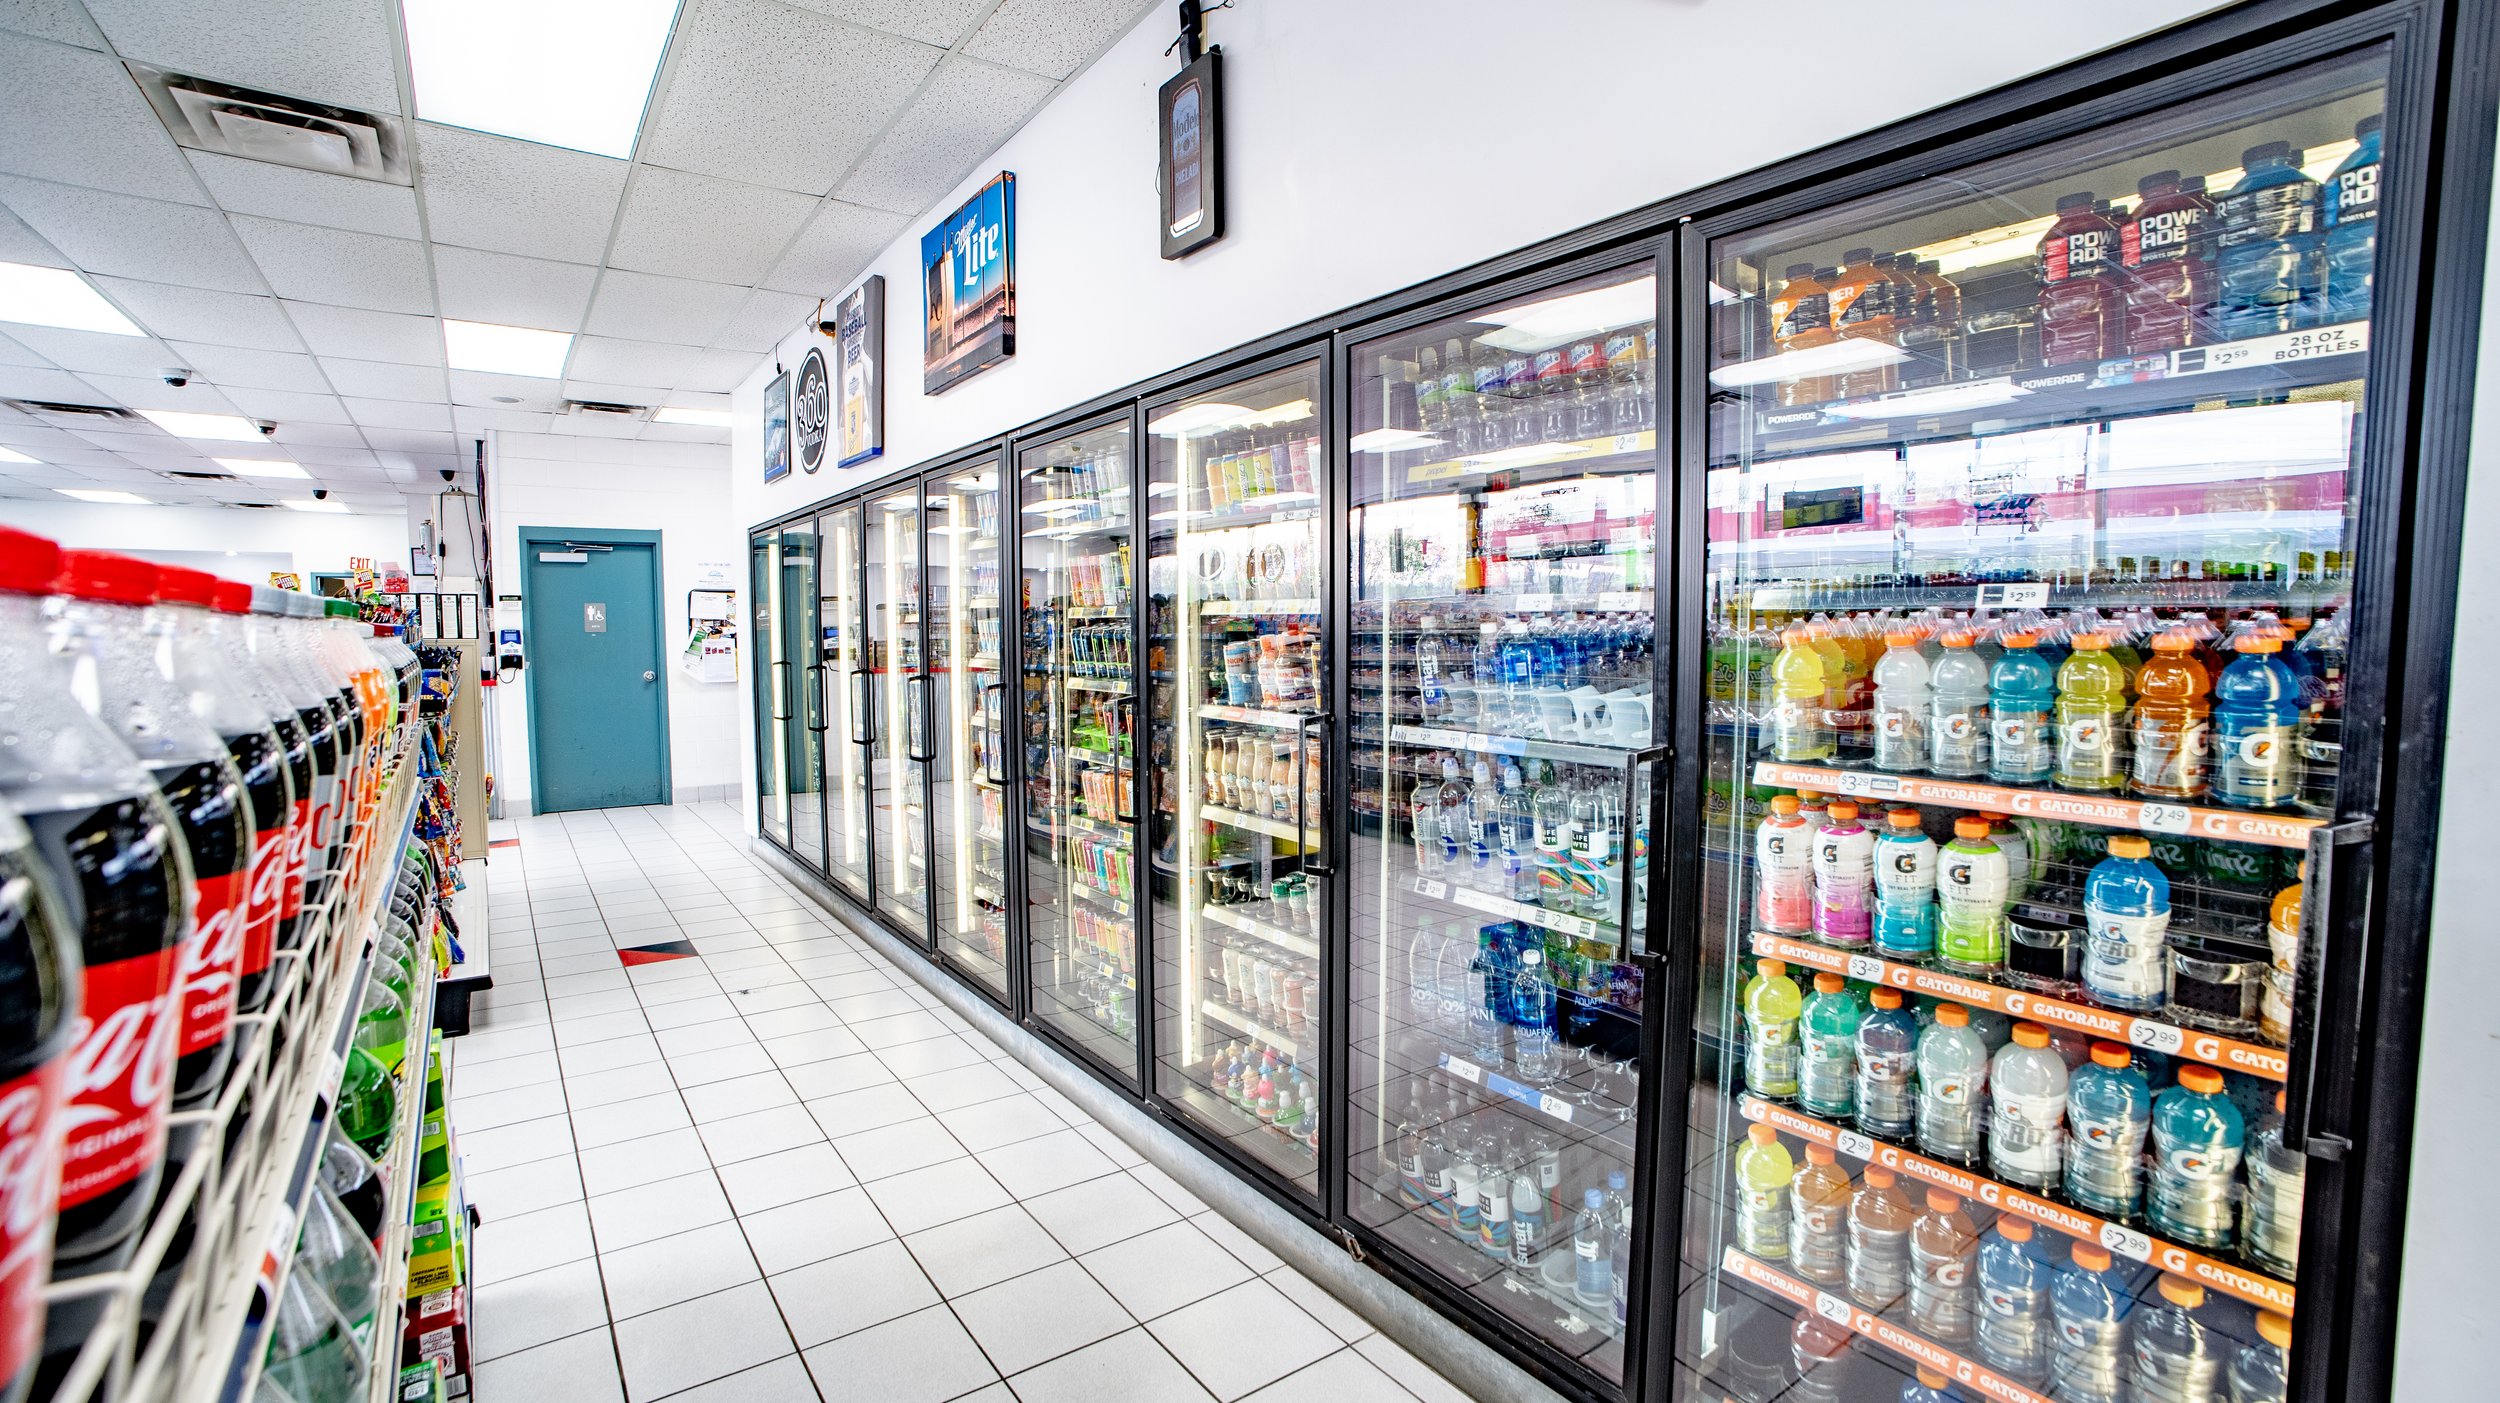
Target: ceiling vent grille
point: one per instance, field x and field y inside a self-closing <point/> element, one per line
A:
<point x="251" y="506"/>
<point x="257" y="126"/>
<point x="59" y="409"/>
<point x="606" y="409"/>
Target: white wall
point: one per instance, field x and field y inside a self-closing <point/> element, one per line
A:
<point x="678" y="490"/>
<point x="236" y="544"/>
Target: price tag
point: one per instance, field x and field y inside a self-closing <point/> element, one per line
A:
<point x="1426" y="886"/>
<point x="2160" y="1037"/>
<point x="1866" y="968"/>
<point x="1465" y="1071"/>
<point x="1832" y="1308"/>
<point x="1627" y="443"/>
<point x="1554" y="1106"/>
<point x="2164" y="818"/>
<point x="1852" y="783"/>
<point x="1856" y="1146"/>
<point x="2126" y="1242"/>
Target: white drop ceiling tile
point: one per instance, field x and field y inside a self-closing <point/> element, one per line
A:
<point x="60" y="20"/>
<point x="83" y="351"/>
<point x="380" y="379"/>
<point x="644" y="307"/>
<point x="301" y="418"/>
<point x="201" y="314"/>
<point x="309" y="197"/>
<point x="150" y="392"/>
<point x="306" y="263"/>
<point x="74" y="115"/>
<point x="834" y="248"/>
<point x="1054" y="38"/>
<point x="126" y="236"/>
<point x="335" y="51"/>
<point x="388" y="441"/>
<point x="33" y="382"/>
<point x="967" y="110"/>
<point x="939" y="22"/>
<point x="739" y="69"/>
<point x="397" y="414"/>
<point x="614" y="392"/>
<point x="510" y="290"/>
<point x="241" y="367"/>
<point x="363" y="335"/>
<point x="491" y="192"/>
<point x="333" y="458"/>
<point x="628" y="362"/>
<point x="26" y="433"/>
<point x="19" y="244"/>
<point x="682" y="433"/>
<point x="717" y="372"/>
<point x="468" y="420"/>
<point x="16" y="353"/>
<point x="595" y="426"/>
<point x="527" y="392"/>
<point x="764" y="320"/>
<point x="698" y="226"/>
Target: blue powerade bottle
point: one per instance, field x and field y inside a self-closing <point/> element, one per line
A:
<point x="2270" y="268"/>
<point x="2351" y="209"/>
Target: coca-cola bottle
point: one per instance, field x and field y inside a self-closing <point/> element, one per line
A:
<point x="104" y="613"/>
<point x="229" y="636"/>
<point x="39" y="986"/>
<point x="355" y="735"/>
<point x="104" y="832"/>
<point x="316" y="712"/>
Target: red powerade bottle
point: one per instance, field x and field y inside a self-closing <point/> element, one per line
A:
<point x="39" y="989"/>
<point x="2166" y="265"/>
<point x="2078" y="295"/>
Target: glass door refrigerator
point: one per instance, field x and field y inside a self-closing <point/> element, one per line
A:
<point x="772" y="698"/>
<point x="1504" y="530"/>
<point x="804" y="733"/>
<point x="1237" y="651"/>
<point x="2043" y="558"/>
<point x="967" y="808"/>
<point x="899" y="682"/>
<point x="1076" y="517"/>
<point x="841" y="685"/>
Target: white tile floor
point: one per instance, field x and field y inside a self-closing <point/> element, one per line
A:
<point x="782" y="1171"/>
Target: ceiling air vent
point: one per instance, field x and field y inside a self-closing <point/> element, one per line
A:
<point x="602" y="407"/>
<point x="251" y="506"/>
<point x="257" y="126"/>
<point x="201" y="477"/>
<point x="76" y="411"/>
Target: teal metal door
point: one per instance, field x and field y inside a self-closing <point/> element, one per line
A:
<point x="597" y="689"/>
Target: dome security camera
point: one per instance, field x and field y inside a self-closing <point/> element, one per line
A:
<point x="176" y="376"/>
<point x="321" y="494"/>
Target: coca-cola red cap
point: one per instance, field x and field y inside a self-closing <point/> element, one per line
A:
<point x="232" y="597"/>
<point x="104" y="575"/>
<point x="176" y="584"/>
<point x="28" y="563"/>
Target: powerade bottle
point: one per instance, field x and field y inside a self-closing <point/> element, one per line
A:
<point x="2079" y="300"/>
<point x="2351" y="215"/>
<point x="2198" y="1136"/>
<point x="2270" y="262"/>
<point x="1887" y="1052"/>
<point x="2165" y="267"/>
<point x="2021" y="689"/>
<point x="2087" y="1354"/>
<point x="2126" y="912"/>
<point x="1905" y="889"/>
<point x="2256" y="721"/>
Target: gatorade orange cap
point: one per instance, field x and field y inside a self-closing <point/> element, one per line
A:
<point x="2014" y="1229"/>
<point x="1953" y="1015"/>
<point x="1885" y="998"/>
<point x="1763" y="1135"/>
<point x="2110" y="1055"/>
<point x="2091" y="642"/>
<point x="1929" y="1378"/>
<point x="2259" y="643"/>
<point x="1843" y="812"/>
<point x="1820" y="1154"/>
<point x="2275" y="1329"/>
<point x="1795" y="635"/>
<point x="2031" y="1035"/>
<point x="1970" y="828"/>
<point x="1783" y="804"/>
<point x="2091" y="1256"/>
<point x="1900" y="638"/>
<point x="1958" y="638"/>
<point x="2278" y="1101"/>
<point x="2196" y="1076"/>
<point x="1878" y="1177"/>
<point x="1992" y="818"/>
<point x="2173" y="642"/>
<point x="2180" y="1291"/>
<point x="2024" y="639"/>
<point x="1938" y="1201"/>
<point x="1771" y="969"/>
<point x="1902" y="818"/>
<point x="2130" y="845"/>
<point x="1828" y="983"/>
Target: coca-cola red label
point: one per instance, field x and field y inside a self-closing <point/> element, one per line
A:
<point x="299" y="836"/>
<point x="265" y="899"/>
<point x="30" y="1184"/>
<point x="120" y="1077"/>
<point x="211" y="959"/>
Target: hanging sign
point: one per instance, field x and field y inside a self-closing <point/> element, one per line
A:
<point x="777" y="428"/>
<point x="859" y="351"/>
<point x="1190" y="143"/>
<point x="811" y="409"/>
<point x="968" y="278"/>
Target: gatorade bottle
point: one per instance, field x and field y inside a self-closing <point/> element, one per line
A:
<point x="2197" y="1140"/>
<point x="1818" y="1214"/>
<point x="1879" y="1240"/>
<point x="2350" y="214"/>
<point x="1957" y="727"/>
<point x="1763" y="1173"/>
<point x="2078" y="297"/>
<point x="1952" y="1086"/>
<point x="1784" y="870"/>
<point x="1801" y="319"/>
<point x="1886" y="1100"/>
<point x="1905" y="889"/>
<point x="2171" y="735"/>
<point x="1844" y="879"/>
<point x="2021" y="689"/>
<point x="2274" y="1006"/>
<point x="1801" y="731"/>
<point x="2027" y="1123"/>
<point x="1862" y="309"/>
<point x="1828" y="1069"/>
<point x="2256" y="722"/>
<point x="1902" y="702"/>
<point x="1772" y="1007"/>
<point x="2166" y="267"/>
<point x="2261" y="1373"/>
<point x="2091" y="703"/>
<point x="1944" y="1246"/>
<point x="1971" y="893"/>
<point x="2277" y="1179"/>
<point x="2109" y="1110"/>
<point x="2089" y="1303"/>
<point x="2014" y="1281"/>
<point x="2269" y="265"/>
<point x="2126" y="912"/>
<point x="2176" y="1354"/>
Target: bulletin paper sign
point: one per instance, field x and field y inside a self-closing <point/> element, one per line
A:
<point x="859" y="345"/>
<point x="968" y="276"/>
<point x="777" y="428"/>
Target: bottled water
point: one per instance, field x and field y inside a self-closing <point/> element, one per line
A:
<point x="1528" y="1209"/>
<point x="1952" y="1086"/>
<point x="1423" y="808"/>
<point x="1518" y="670"/>
<point x="2088" y="1304"/>
<point x="1532" y="1018"/>
<point x="1493" y="1218"/>
<point x="1487" y="982"/>
<point x="2109" y="1110"/>
<point x="1593" y="1284"/>
<point x="2014" y="1283"/>
<point x="1432" y="693"/>
<point x="2178" y="1359"/>
<point x="1943" y="1245"/>
<point x="1466" y="1190"/>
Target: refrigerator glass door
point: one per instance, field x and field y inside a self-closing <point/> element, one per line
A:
<point x="1076" y="514"/>
<point x="1235" y="568"/>
<point x="2031" y="519"/>
<point x="842" y="686"/>
<point x="803" y="751"/>
<point x="898" y="778"/>
<point x="968" y="805"/>
<point x="772" y="702"/>
<point x="1505" y="569"/>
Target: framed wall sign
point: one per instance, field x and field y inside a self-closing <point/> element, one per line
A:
<point x="811" y="409"/>
<point x="1190" y="112"/>
<point x="859" y="352"/>
<point x="968" y="276"/>
<point x="777" y="428"/>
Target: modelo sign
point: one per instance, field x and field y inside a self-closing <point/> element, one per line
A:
<point x="811" y="410"/>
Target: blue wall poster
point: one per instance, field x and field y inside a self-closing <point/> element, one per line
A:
<point x="968" y="277"/>
<point x="777" y="428"/>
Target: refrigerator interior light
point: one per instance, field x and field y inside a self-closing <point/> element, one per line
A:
<point x="1529" y="453"/>
<point x="1391" y="440"/>
<point x="1830" y="358"/>
<point x="1205" y="416"/>
<point x="1948" y="399"/>
<point x="1533" y="326"/>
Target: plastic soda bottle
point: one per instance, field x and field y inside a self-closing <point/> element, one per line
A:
<point x="1905" y="888"/>
<point x="2014" y="1279"/>
<point x="2261" y="1372"/>
<point x="1944" y="1299"/>
<point x="2079" y="302"/>
<point x="2126" y="912"/>
<point x="2277" y="1178"/>
<point x="1800" y="727"/>
<point x="1772" y="1007"/>
<point x="2176" y="1354"/>
<point x="2256" y="722"/>
<point x="2350" y="207"/>
<point x="1844" y="879"/>
<point x="2088" y="1303"/>
<point x="2269" y="263"/>
<point x="1763" y="1174"/>
<point x="1952" y="1086"/>
<point x="2027" y="1084"/>
<point x="1971" y="892"/>
<point x="1784" y="869"/>
<point x="2091" y="701"/>
<point x="1887" y="1054"/>
<point x="1957" y="725"/>
<point x="2198" y="1137"/>
<point x="2021" y="690"/>
<point x="2109" y="1111"/>
<point x="1828" y="1032"/>
<point x="2171" y="721"/>
<point x="1818" y="1213"/>
<point x="1902" y="701"/>
<point x="1879" y="1240"/>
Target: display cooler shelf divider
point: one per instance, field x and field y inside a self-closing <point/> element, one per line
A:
<point x="400" y="1207"/>
<point x="1277" y="936"/>
<point x="1250" y="716"/>
<point x="1561" y="922"/>
<point x="1535" y="455"/>
<point x="1226" y="1014"/>
<point x="2105" y="810"/>
<point x="1260" y="823"/>
<point x="1570" y="752"/>
<point x="1849" y="1315"/>
<point x="2256" y="1288"/>
<point x="1544" y="1103"/>
<point x="1257" y="608"/>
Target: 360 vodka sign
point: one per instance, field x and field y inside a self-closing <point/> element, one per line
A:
<point x="811" y="409"/>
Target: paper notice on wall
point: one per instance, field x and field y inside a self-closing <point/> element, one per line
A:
<point x="711" y="652"/>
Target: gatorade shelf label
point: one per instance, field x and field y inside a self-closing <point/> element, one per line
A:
<point x="30" y="1186"/>
<point x="120" y="1076"/>
<point x="2272" y="830"/>
<point x="209" y="960"/>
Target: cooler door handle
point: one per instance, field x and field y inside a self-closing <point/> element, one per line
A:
<point x="988" y="772"/>
<point x="780" y="692"/>
<point x="1121" y="788"/>
<point x="861" y="732"/>
<point x="925" y="714"/>
<point x="1633" y="763"/>
<point x="2326" y="1031"/>
<point x="815" y="697"/>
<point x="1311" y="862"/>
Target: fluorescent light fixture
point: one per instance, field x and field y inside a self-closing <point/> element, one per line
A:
<point x="1831" y="358"/>
<point x="1946" y="400"/>
<point x="981" y="482"/>
<point x="309" y="504"/>
<point x="1528" y="453"/>
<point x="97" y="494"/>
<point x="706" y="418"/>
<point x="11" y="455"/>
<point x="1290" y="412"/>
<point x="1533" y="326"/>
<point x="1199" y="418"/>
<point x="261" y="467"/>
<point x="58" y="297"/>
<point x="1391" y="440"/>
<point x="506" y="350"/>
<point x="570" y="73"/>
<point x="217" y="428"/>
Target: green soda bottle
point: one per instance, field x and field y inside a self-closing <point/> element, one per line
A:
<point x="382" y="1028"/>
<point x="368" y="1105"/>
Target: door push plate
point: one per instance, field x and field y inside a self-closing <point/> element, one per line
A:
<point x="594" y="618"/>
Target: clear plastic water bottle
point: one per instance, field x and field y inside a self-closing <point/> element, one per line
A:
<point x="2014" y="1281"/>
<point x="1432" y="692"/>
<point x="1529" y="1209"/>
<point x="2261" y="1373"/>
<point x="1466" y="1189"/>
<point x="1493" y="1200"/>
<point x="1619" y="1271"/>
<point x="1487" y="983"/>
<point x="1887" y="1102"/>
<point x="2089" y="1303"/>
<point x="2178" y="1357"/>
<point x="1593" y="1284"/>
<point x="1952" y="1086"/>
<point x="1518" y="666"/>
<point x="1423" y="807"/>
<point x="2109" y="1112"/>
<point x="2198" y="1137"/>
<point x="2028" y="1088"/>
<point x="2277" y="1179"/>
<point x="1532" y="1020"/>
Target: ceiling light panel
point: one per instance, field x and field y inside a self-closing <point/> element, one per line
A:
<point x="570" y="73"/>
<point x="306" y="504"/>
<point x="104" y="498"/>
<point x="506" y="350"/>
<point x="218" y="428"/>
<point x="58" y="297"/>
<point x="261" y="467"/>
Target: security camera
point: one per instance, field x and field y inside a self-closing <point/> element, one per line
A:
<point x="449" y="474"/>
<point x="321" y="494"/>
<point x="177" y="377"/>
<point x="267" y="429"/>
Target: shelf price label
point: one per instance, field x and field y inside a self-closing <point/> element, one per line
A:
<point x="1435" y="890"/>
<point x="2126" y="1242"/>
<point x="1835" y="1309"/>
<point x="1464" y="1070"/>
<point x="1856" y="1146"/>
<point x="1866" y="969"/>
<point x="2159" y="1037"/>
<point x="1554" y="1106"/>
<point x="2165" y="818"/>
